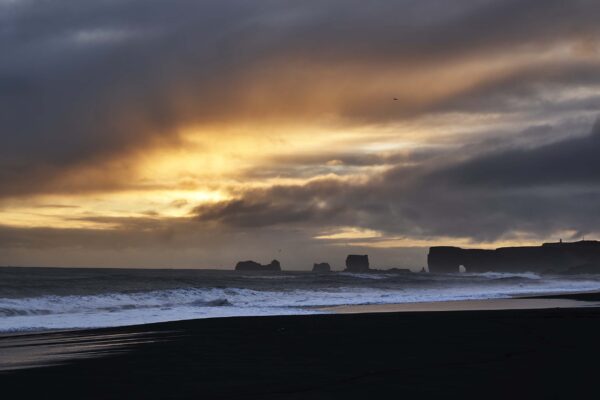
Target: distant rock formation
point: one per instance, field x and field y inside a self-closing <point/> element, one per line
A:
<point x="576" y="257"/>
<point x="254" y="266"/>
<point x="321" y="267"/>
<point x="357" y="263"/>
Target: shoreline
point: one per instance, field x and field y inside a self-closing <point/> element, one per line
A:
<point x="527" y="302"/>
<point x="533" y="302"/>
<point x="464" y="305"/>
<point x="31" y="349"/>
<point x="544" y="353"/>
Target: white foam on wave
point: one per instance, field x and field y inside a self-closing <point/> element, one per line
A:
<point x="500" y="275"/>
<point x="118" y="309"/>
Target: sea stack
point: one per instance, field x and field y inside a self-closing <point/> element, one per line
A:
<point x="321" y="267"/>
<point x="357" y="263"/>
<point x="273" y="266"/>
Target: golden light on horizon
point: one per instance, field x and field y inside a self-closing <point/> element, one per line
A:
<point x="350" y="233"/>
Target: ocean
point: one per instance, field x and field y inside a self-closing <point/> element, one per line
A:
<point x="39" y="299"/>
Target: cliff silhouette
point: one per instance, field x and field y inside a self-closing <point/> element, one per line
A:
<point x="561" y="257"/>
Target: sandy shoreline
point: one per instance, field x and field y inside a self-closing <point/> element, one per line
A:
<point x="464" y="305"/>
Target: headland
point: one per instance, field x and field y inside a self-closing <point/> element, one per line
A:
<point x="560" y="257"/>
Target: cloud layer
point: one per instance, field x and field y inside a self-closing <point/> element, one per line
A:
<point x="539" y="190"/>
<point x="488" y="137"/>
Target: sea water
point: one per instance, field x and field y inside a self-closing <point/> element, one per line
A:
<point x="37" y="299"/>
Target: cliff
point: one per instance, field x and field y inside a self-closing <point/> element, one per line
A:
<point x="550" y="257"/>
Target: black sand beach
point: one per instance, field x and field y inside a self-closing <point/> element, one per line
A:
<point x="550" y="353"/>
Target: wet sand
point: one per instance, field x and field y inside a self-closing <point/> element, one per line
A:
<point x="540" y="353"/>
<point x="465" y="305"/>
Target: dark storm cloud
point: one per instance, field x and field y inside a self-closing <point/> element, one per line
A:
<point x="82" y="83"/>
<point x="539" y="190"/>
<point x="571" y="162"/>
<point x="320" y="200"/>
<point x="501" y="193"/>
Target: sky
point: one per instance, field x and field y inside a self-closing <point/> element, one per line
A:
<point x="181" y="133"/>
